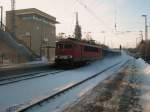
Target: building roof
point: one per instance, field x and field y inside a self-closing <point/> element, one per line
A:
<point x="34" y="11"/>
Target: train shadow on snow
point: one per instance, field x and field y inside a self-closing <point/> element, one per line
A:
<point x="69" y="66"/>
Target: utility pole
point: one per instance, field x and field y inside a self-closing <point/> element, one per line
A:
<point x="13" y="18"/>
<point x="1" y="16"/>
<point x="146" y="37"/>
<point x="115" y="19"/>
<point x="146" y="27"/>
<point x="141" y="35"/>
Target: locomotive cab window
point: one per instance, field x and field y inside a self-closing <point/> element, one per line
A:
<point x="59" y="45"/>
<point x="68" y="46"/>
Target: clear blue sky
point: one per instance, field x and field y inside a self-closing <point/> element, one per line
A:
<point x="99" y="18"/>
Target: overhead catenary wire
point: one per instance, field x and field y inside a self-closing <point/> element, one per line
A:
<point x="93" y="14"/>
<point x="100" y="21"/>
<point x="114" y="30"/>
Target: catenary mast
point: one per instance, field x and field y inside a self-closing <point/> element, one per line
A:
<point x="13" y="28"/>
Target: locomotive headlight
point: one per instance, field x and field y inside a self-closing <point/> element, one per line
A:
<point x="70" y="56"/>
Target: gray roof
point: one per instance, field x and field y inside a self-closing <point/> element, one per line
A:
<point x="34" y="11"/>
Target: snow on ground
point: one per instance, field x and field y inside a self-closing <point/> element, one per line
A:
<point x="101" y="98"/>
<point x="130" y="93"/>
<point x="145" y="76"/>
<point x="76" y="93"/>
<point x="20" y="92"/>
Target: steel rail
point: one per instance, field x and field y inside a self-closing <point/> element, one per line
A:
<point x="26" y="77"/>
<point x="68" y="88"/>
<point x="19" y="76"/>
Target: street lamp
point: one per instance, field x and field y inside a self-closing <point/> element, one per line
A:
<point x="140" y="36"/>
<point x="146" y="36"/>
<point x="146" y="27"/>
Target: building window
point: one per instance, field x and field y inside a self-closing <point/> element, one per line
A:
<point x="40" y="19"/>
<point x="37" y="27"/>
<point x="27" y="34"/>
<point x="28" y="18"/>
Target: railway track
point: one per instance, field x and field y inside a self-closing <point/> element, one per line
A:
<point x="26" y="76"/>
<point x="54" y="95"/>
<point x="17" y="78"/>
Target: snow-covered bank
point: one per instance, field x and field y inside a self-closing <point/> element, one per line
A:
<point x="145" y="77"/>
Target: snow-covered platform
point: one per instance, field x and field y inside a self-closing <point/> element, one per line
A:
<point x="128" y="91"/>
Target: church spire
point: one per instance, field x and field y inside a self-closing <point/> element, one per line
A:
<point x="77" y="32"/>
<point x="77" y="21"/>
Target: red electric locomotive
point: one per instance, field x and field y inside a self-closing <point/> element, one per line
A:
<point x="74" y="51"/>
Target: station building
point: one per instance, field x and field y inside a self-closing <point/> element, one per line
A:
<point x="35" y="29"/>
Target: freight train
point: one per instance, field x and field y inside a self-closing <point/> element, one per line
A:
<point x="70" y="51"/>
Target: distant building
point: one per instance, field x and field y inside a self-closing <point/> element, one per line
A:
<point x="35" y="29"/>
